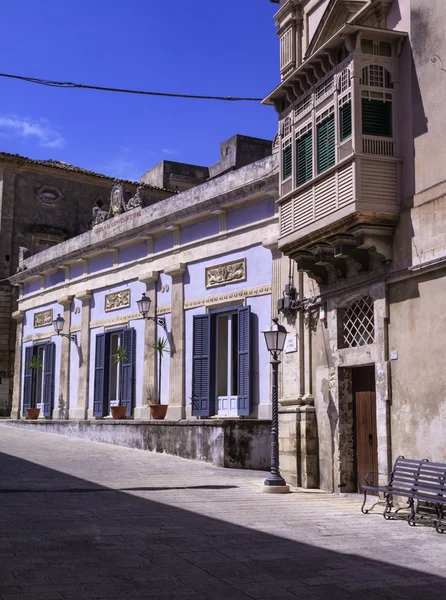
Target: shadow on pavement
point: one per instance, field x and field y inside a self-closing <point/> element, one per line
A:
<point x="116" y="545"/>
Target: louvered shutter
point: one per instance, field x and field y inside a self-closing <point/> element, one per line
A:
<point x="376" y="118"/>
<point x="128" y="343"/>
<point x="326" y="151"/>
<point x="48" y="379"/>
<point x="201" y="399"/>
<point x="287" y="159"/>
<point x="304" y="151"/>
<point x="244" y="362"/>
<point x="345" y="120"/>
<point x="27" y="381"/>
<point x="99" y="404"/>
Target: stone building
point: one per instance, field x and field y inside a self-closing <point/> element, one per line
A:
<point x="42" y="202"/>
<point x="363" y="221"/>
<point x="207" y="259"/>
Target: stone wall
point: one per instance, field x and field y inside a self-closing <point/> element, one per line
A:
<point x="243" y="444"/>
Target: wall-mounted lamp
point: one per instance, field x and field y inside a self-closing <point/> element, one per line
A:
<point x="290" y="303"/>
<point x="144" y="308"/>
<point x="58" y="325"/>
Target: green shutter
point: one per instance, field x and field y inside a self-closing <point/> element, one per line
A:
<point x="326" y="150"/>
<point x="376" y="118"/>
<point x="287" y="161"/>
<point x="304" y="152"/>
<point x="345" y="120"/>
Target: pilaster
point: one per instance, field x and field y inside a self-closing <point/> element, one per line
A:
<point x="84" y="363"/>
<point x="150" y="380"/>
<point x="18" y="316"/>
<point x="62" y="410"/>
<point x="176" y="408"/>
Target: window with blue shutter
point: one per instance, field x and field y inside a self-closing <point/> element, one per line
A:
<point x="244" y="361"/>
<point x="326" y="149"/>
<point x="99" y="403"/>
<point x="128" y="344"/>
<point x="376" y="117"/>
<point x="304" y="152"/>
<point x="201" y="350"/>
<point x="345" y="120"/>
<point x="27" y="381"/>
<point x="48" y="379"/>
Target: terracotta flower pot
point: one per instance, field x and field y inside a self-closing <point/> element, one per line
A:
<point x="32" y="413"/>
<point x="118" y="412"/>
<point x="158" y="411"/>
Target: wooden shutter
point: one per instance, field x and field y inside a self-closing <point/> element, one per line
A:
<point x="99" y="405"/>
<point x="128" y="343"/>
<point x="27" y="381"/>
<point x="304" y="151"/>
<point x="376" y="118"/>
<point x="201" y="350"/>
<point x="287" y="159"/>
<point x="244" y="362"/>
<point x="345" y="120"/>
<point x="48" y="379"/>
<point x="326" y="152"/>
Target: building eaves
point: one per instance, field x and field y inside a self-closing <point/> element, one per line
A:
<point x="57" y="164"/>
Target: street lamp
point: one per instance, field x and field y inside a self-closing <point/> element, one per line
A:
<point x="58" y="325"/>
<point x="275" y="338"/>
<point x="144" y="307"/>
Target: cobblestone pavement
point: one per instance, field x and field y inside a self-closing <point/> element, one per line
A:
<point x="80" y="519"/>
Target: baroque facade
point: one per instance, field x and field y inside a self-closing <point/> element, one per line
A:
<point x="42" y="202"/>
<point x="363" y="221"/>
<point x="206" y="258"/>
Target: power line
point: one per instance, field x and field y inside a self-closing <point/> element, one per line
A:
<point x="71" y="85"/>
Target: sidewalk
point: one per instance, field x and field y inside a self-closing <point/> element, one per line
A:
<point x="86" y="520"/>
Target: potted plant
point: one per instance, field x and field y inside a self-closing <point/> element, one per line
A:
<point x="118" y="412"/>
<point x="157" y="410"/>
<point x="34" y="365"/>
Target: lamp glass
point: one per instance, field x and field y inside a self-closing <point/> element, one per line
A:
<point x="275" y="337"/>
<point x="58" y="324"/>
<point x="144" y="304"/>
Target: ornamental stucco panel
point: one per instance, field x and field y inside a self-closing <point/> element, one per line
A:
<point x="117" y="300"/>
<point x="43" y="318"/>
<point x="222" y="274"/>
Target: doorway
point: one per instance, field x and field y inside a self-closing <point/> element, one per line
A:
<point x="364" y="415"/>
<point x="226" y="363"/>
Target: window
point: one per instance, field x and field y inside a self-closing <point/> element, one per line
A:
<point x="221" y="370"/>
<point x="325" y="88"/>
<point x="344" y="81"/>
<point x="287" y="159"/>
<point x="358" y="326"/>
<point x="114" y="377"/>
<point x="38" y="384"/>
<point x="304" y="106"/>
<point x="304" y="155"/>
<point x="376" y="105"/>
<point x="376" y="48"/>
<point x="345" y="117"/>
<point x="326" y="148"/>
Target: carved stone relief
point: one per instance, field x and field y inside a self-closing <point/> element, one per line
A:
<point x="44" y="318"/>
<point x="227" y="273"/>
<point x="49" y="194"/>
<point x="117" y="300"/>
<point x="117" y="204"/>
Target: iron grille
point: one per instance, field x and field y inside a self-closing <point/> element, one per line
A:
<point x="358" y="327"/>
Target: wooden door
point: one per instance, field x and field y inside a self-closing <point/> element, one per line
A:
<point x="364" y="407"/>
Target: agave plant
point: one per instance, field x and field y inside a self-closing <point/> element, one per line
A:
<point x="160" y="347"/>
<point x="35" y="363"/>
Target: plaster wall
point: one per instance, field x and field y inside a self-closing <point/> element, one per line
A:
<point x="32" y="286"/>
<point x="417" y="309"/>
<point x="260" y="371"/>
<point x="164" y="289"/>
<point x="165" y="367"/>
<point x="76" y="270"/>
<point x="132" y="252"/>
<point x="97" y="263"/>
<point x="198" y="230"/>
<point x="98" y="302"/>
<point x="253" y="211"/>
<point x="54" y="278"/>
<point x="76" y="316"/>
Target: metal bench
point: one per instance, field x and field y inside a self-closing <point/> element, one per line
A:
<point x="418" y="481"/>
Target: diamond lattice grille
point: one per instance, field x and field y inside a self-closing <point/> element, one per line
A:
<point x="358" y="326"/>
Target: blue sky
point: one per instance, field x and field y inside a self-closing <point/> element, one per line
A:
<point x="195" y="47"/>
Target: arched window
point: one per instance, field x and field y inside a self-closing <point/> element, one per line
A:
<point x="358" y="323"/>
<point x="377" y="97"/>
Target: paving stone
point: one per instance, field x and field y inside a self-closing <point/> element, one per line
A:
<point x="154" y="531"/>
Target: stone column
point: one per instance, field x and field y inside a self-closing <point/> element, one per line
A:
<point x="150" y="360"/>
<point x="61" y="411"/>
<point x="84" y="359"/>
<point x="18" y="316"/>
<point x="177" y="402"/>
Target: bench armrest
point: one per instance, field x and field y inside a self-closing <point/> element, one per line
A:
<point x="368" y="482"/>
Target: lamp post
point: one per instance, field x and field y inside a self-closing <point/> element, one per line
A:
<point x="275" y="338"/>
<point x="58" y="325"/>
<point x="144" y="307"/>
